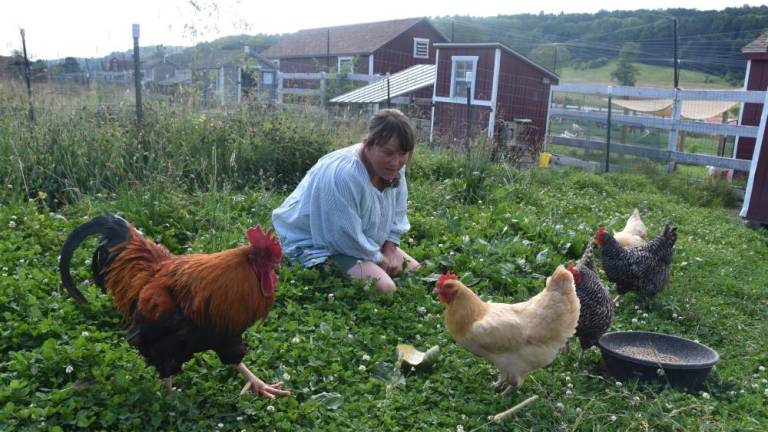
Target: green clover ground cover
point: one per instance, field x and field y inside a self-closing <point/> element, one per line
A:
<point x="68" y="367"/>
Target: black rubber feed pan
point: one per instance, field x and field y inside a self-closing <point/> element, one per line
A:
<point x="655" y="356"/>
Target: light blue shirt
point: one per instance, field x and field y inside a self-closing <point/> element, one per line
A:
<point x="337" y="210"/>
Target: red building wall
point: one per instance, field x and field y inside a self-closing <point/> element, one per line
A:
<point x="397" y="54"/>
<point x="523" y="94"/>
<point x="757" y="210"/>
<point x="483" y="80"/>
<point x="450" y="122"/>
<point x="757" y="80"/>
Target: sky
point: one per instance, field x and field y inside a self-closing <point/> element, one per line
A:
<point x="80" y="28"/>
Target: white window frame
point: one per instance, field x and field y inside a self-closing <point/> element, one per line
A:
<point x="351" y="62"/>
<point x="416" y="42"/>
<point x="454" y="60"/>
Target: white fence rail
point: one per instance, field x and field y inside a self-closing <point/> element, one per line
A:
<point x="673" y="124"/>
<point x="322" y="77"/>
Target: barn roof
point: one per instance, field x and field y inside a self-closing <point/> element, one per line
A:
<point x="344" y="40"/>
<point x="406" y="81"/>
<point x="503" y="47"/>
<point x="759" y="45"/>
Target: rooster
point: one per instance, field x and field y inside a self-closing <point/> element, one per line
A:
<point x="634" y="231"/>
<point x="596" y="306"/>
<point x="517" y="338"/>
<point x="181" y="305"/>
<point x="644" y="269"/>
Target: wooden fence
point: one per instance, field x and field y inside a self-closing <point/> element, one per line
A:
<point x="674" y="124"/>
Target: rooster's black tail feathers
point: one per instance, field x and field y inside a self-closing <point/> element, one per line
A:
<point x="113" y="230"/>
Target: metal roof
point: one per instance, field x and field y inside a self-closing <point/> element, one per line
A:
<point x="406" y="81"/>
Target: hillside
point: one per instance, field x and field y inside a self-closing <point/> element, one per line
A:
<point x="648" y="76"/>
<point x="709" y="41"/>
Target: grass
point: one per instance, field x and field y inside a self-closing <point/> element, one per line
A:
<point x="207" y="176"/>
<point x="648" y="76"/>
<point x="68" y="367"/>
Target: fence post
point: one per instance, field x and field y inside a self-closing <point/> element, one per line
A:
<point x="608" y="131"/>
<point x="279" y="90"/>
<point x="323" y="77"/>
<point x="137" y="74"/>
<point x="673" y="133"/>
<point x="27" y="74"/>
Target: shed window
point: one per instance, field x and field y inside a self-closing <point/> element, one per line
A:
<point x="345" y="65"/>
<point x="463" y="75"/>
<point x="420" y="48"/>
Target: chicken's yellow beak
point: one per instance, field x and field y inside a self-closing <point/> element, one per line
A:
<point x="435" y="290"/>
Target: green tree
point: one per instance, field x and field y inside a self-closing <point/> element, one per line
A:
<point x="626" y="71"/>
<point x="71" y="65"/>
<point x="552" y="56"/>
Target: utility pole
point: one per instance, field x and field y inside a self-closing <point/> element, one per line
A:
<point x="554" y="67"/>
<point x="677" y="72"/>
<point x="452" y="39"/>
<point x="27" y="74"/>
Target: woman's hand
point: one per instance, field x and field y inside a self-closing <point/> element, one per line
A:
<point x="393" y="262"/>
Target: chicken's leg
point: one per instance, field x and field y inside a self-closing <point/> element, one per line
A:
<point x="258" y="386"/>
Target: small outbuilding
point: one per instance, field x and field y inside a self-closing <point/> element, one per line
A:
<point x="755" y="208"/>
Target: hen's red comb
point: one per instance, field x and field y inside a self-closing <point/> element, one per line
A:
<point x="446" y="277"/>
<point x="265" y="241"/>
<point x="600" y="231"/>
<point x="575" y="272"/>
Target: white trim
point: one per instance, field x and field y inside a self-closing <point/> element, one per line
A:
<point x="458" y="101"/>
<point x="474" y="60"/>
<point x="434" y="94"/>
<point x="741" y="108"/>
<point x="351" y="61"/>
<point x="494" y="92"/>
<point x="416" y="42"/>
<point x="755" y="157"/>
<point x="370" y="64"/>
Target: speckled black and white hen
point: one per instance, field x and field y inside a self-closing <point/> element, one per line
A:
<point x="596" y="311"/>
<point x="643" y="269"/>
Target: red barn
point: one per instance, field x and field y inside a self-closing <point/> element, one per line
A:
<point x="370" y="48"/>
<point x="505" y="87"/>
<point x="755" y="206"/>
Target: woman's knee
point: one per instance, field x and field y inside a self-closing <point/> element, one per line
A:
<point x="386" y="285"/>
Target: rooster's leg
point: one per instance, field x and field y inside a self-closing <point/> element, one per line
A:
<point x="258" y="386"/>
<point x="168" y="384"/>
<point x="501" y="384"/>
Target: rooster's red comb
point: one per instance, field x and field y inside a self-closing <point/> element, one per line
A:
<point x="446" y="277"/>
<point x="265" y="241"/>
<point x="600" y="231"/>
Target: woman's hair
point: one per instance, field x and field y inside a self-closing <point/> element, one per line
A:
<point x="388" y="124"/>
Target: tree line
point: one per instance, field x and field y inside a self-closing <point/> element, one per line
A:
<point x="708" y="41"/>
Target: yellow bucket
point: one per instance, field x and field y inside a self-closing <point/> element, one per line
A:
<point x="544" y="159"/>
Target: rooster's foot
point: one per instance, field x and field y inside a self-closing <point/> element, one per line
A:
<point x="259" y="387"/>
